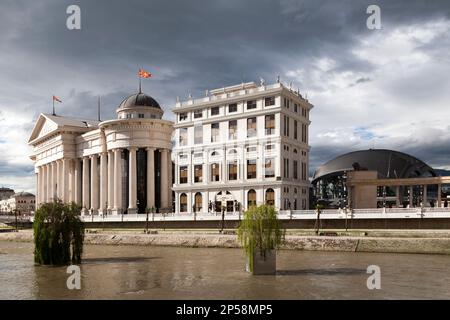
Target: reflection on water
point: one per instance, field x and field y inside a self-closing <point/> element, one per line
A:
<point x="134" y="272"/>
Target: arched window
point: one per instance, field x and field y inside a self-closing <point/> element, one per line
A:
<point x="270" y="197"/>
<point x="198" y="202"/>
<point x="232" y="151"/>
<point x="251" y="198"/>
<point x="295" y="151"/>
<point x="183" y="202"/>
<point x="215" y="154"/>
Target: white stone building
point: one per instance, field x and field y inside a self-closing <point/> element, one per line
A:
<point x="240" y="145"/>
<point x="109" y="167"/>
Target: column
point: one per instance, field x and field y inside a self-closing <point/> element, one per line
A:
<point x="439" y="199"/>
<point x="132" y="208"/>
<point x="78" y="182"/>
<point x="110" y="180"/>
<point x="94" y="185"/>
<point x="103" y="182"/>
<point x="49" y="182"/>
<point x="169" y="166"/>
<point x="71" y="180"/>
<point x="411" y="196"/>
<point x="51" y="186"/>
<point x="39" y="186"/>
<point x="86" y="199"/>
<point x="54" y="196"/>
<point x="177" y="202"/>
<point x="58" y="179"/>
<point x="117" y="209"/>
<point x="205" y="198"/>
<point x="164" y="182"/>
<point x="65" y="180"/>
<point x="397" y="196"/>
<point x="150" y="178"/>
<point x="44" y="183"/>
<point x="425" y="196"/>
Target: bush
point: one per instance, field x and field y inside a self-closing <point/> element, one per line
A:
<point x="260" y="230"/>
<point x="58" y="234"/>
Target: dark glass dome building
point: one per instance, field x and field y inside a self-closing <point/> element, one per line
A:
<point x="329" y="179"/>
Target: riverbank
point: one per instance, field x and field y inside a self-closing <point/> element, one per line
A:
<point x="427" y="242"/>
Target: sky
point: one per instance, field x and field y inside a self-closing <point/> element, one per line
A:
<point x="383" y="88"/>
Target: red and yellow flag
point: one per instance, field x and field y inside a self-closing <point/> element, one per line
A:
<point x="55" y="98"/>
<point x="144" y="74"/>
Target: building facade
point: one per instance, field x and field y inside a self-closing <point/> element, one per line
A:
<point x="242" y="145"/>
<point x="23" y="202"/>
<point x="107" y="167"/>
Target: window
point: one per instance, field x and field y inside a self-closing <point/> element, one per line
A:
<point x="251" y="198"/>
<point x="198" y="155"/>
<point x="198" y="173"/>
<point x="295" y="169"/>
<point x="270" y="147"/>
<point x="286" y="168"/>
<point x="215" y="111"/>
<point x="286" y="128"/>
<point x="183" y="202"/>
<point x="232" y="107"/>
<point x="232" y="130"/>
<point x="183" y="136"/>
<point x="215" y="133"/>
<point x="198" y="114"/>
<point x="251" y="169"/>
<point x="198" y="134"/>
<point x="183" y="116"/>
<point x="141" y="115"/>
<point x="269" y="101"/>
<point x="295" y="130"/>
<point x="232" y="151"/>
<point x="295" y="108"/>
<point x="183" y="174"/>
<point x="183" y="156"/>
<point x="270" y="197"/>
<point x="269" y="168"/>
<point x="251" y="127"/>
<point x="251" y="104"/>
<point x="251" y="149"/>
<point x="198" y="202"/>
<point x="232" y="170"/>
<point x="215" y="169"/>
<point x="270" y="124"/>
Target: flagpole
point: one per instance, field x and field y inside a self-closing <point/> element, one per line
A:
<point x="53" y="100"/>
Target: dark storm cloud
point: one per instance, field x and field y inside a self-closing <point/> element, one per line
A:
<point x="189" y="46"/>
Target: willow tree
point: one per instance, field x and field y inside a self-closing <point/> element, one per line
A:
<point x="260" y="232"/>
<point x="58" y="234"/>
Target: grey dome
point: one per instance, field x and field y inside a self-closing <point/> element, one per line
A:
<point x="139" y="100"/>
<point x="388" y="164"/>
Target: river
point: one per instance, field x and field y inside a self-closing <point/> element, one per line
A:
<point x="138" y="272"/>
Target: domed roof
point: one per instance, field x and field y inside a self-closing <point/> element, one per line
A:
<point x="139" y="100"/>
<point x="388" y="164"/>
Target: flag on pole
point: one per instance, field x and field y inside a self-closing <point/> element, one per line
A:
<point x="55" y="98"/>
<point x="144" y="74"/>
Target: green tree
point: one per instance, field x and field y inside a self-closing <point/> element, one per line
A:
<point x="260" y="230"/>
<point x="58" y="234"/>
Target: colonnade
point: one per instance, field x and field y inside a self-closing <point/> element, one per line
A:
<point x="95" y="182"/>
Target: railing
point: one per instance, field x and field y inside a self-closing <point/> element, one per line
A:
<point x="377" y="213"/>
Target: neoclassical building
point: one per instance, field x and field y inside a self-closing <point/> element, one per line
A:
<point x="108" y="167"/>
<point x="242" y="145"/>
